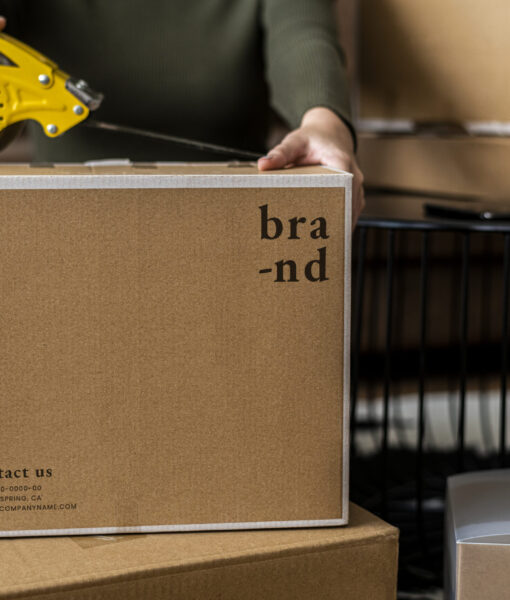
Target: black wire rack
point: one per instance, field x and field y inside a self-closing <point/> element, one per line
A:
<point x="430" y="361"/>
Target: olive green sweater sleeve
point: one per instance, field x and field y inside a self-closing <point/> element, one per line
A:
<point x="305" y="66"/>
<point x="201" y="69"/>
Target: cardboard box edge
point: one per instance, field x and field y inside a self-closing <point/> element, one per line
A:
<point x="148" y="572"/>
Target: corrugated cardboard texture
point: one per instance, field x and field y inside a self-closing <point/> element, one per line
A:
<point x="464" y="166"/>
<point x="483" y="572"/>
<point x="152" y="375"/>
<point x="354" y="563"/>
<point x="435" y="60"/>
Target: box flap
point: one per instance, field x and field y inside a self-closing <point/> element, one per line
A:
<point x="161" y="168"/>
<point x="166" y="175"/>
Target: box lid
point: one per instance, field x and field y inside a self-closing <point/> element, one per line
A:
<point x="480" y="507"/>
<point x="125" y="175"/>
<point x="169" y="168"/>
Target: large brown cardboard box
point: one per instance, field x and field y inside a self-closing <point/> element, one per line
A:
<point x="357" y="562"/>
<point x="174" y="348"/>
<point x="435" y="60"/>
<point x="466" y="166"/>
<point x="477" y="540"/>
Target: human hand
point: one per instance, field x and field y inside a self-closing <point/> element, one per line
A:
<point x="3" y="23"/>
<point x="322" y="139"/>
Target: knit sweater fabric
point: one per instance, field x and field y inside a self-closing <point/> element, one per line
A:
<point x="213" y="70"/>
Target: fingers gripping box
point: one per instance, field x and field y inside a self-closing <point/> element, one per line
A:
<point x="174" y="348"/>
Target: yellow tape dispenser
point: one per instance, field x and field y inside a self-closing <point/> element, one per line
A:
<point x="33" y="87"/>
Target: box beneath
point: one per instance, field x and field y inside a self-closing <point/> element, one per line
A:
<point x="352" y="563"/>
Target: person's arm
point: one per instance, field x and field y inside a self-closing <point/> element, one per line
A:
<point x="308" y="88"/>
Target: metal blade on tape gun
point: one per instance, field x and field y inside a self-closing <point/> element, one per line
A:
<point x="33" y="87"/>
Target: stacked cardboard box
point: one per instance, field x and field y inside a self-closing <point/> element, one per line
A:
<point x="353" y="563"/>
<point x="185" y="332"/>
<point x="467" y="167"/>
<point x="435" y="63"/>
<point x="175" y="357"/>
<point x="477" y="536"/>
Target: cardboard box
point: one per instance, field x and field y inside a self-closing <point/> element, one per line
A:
<point x="469" y="167"/>
<point x="478" y="536"/>
<point x="438" y="60"/>
<point x="353" y="563"/>
<point x="175" y="348"/>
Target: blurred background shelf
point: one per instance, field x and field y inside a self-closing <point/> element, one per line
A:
<point x="429" y="367"/>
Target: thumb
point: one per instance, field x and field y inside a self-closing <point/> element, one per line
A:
<point x="3" y="22"/>
<point x="290" y="150"/>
